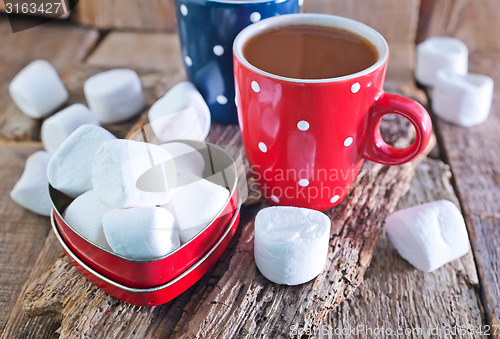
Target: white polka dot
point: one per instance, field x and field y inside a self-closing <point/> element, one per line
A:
<point x="184" y="10"/>
<point x="254" y="17"/>
<point x="301" y="2"/>
<point x="218" y="50"/>
<point x="348" y="141"/>
<point x="221" y="99"/>
<point x="355" y="87"/>
<point x="303" y="125"/>
<point x="275" y="199"/>
<point x="262" y="147"/>
<point x="334" y="199"/>
<point x="255" y="86"/>
<point x="303" y="182"/>
<point x="188" y="61"/>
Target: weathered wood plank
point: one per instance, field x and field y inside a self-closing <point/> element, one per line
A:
<point x="396" y="20"/>
<point x="58" y="43"/>
<point x="145" y="51"/>
<point x="22" y="233"/>
<point x="20" y="325"/>
<point x="397" y="297"/>
<point x="471" y="153"/>
<point x="157" y="15"/>
<point x="237" y="295"/>
<point x="474" y="22"/>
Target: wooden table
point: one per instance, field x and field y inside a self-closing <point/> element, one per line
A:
<point x="463" y="296"/>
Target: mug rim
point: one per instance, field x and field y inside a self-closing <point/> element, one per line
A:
<point x="353" y="26"/>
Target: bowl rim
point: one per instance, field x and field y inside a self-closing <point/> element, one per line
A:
<point x="151" y="289"/>
<point x="232" y="191"/>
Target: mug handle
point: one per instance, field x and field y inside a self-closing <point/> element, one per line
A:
<point x="377" y="150"/>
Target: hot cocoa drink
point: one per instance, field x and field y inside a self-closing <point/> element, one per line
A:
<point x="309" y="52"/>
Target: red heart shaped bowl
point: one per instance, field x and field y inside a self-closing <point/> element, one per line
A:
<point x="220" y="168"/>
<point x="160" y="294"/>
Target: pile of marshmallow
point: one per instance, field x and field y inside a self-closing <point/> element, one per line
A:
<point x="458" y="97"/>
<point x="132" y="197"/>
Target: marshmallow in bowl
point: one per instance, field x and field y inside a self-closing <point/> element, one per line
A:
<point x="84" y="215"/>
<point x="195" y="203"/>
<point x="464" y="100"/>
<point x="59" y="126"/>
<point x="187" y="159"/>
<point x="181" y="113"/>
<point x="129" y="173"/>
<point x="141" y="233"/>
<point x="291" y="244"/>
<point x="429" y="235"/>
<point x="115" y="95"/>
<point x="439" y="53"/>
<point x="37" y="89"/>
<point x="31" y="191"/>
<point x="70" y="168"/>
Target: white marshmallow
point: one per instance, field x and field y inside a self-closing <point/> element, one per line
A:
<point x="115" y="95"/>
<point x="181" y="113"/>
<point x="129" y="173"/>
<point x="59" y="126"/>
<point x="84" y="215"/>
<point x="439" y="53"/>
<point x="31" y="191"/>
<point x="291" y="244"/>
<point x="195" y="203"/>
<point x="187" y="159"/>
<point x="429" y="235"/>
<point x="37" y="90"/>
<point x="464" y="100"/>
<point x="70" y="169"/>
<point x="141" y="233"/>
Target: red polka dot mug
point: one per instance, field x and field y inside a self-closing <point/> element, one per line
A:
<point x="306" y="139"/>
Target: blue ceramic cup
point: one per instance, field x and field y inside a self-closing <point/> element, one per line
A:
<point x="207" y="29"/>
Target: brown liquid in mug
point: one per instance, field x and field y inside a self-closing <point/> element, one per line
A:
<point x="309" y="52"/>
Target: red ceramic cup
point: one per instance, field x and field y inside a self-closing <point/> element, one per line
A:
<point x="306" y="139"/>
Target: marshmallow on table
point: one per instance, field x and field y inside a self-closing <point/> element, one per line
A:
<point x="31" y="191"/>
<point x="195" y="203"/>
<point x="439" y="53"/>
<point x="464" y="100"/>
<point x="115" y="95"/>
<point x="181" y="113"/>
<point x="59" y="126"/>
<point x="84" y="215"/>
<point x="37" y="90"/>
<point x="129" y="173"/>
<point x="429" y="235"/>
<point x="187" y="159"/>
<point x="291" y="244"/>
<point x="70" y="169"/>
<point x="141" y="233"/>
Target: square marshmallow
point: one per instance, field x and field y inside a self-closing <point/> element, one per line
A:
<point x="37" y="89"/>
<point x="70" y="169"/>
<point x="31" y="191"/>
<point x="429" y="235"/>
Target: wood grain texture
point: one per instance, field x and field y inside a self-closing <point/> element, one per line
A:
<point x="397" y="297"/>
<point x="57" y="43"/>
<point x="472" y="153"/>
<point x="474" y="22"/>
<point x="157" y="15"/>
<point x="236" y="294"/>
<point x="396" y="20"/>
<point x="146" y="51"/>
<point x="22" y="233"/>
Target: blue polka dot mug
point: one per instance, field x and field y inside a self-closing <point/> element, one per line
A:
<point x="207" y="29"/>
